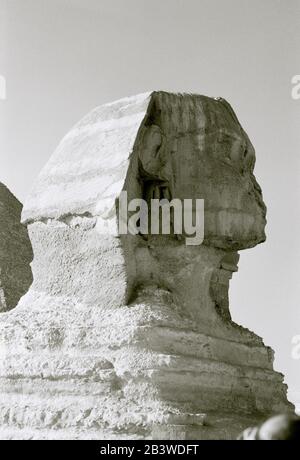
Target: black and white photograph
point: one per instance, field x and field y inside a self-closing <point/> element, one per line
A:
<point x="149" y="223"/>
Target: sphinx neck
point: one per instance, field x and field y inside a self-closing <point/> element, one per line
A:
<point x="196" y="276"/>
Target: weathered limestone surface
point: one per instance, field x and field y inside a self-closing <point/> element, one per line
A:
<point x="15" y="252"/>
<point x="131" y="336"/>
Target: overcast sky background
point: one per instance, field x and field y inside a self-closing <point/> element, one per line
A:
<point x="61" y="58"/>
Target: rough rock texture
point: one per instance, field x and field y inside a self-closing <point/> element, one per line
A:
<point x="15" y="252"/>
<point x="131" y="336"/>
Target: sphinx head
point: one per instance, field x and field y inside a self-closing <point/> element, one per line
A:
<point x="193" y="147"/>
<point x="163" y="145"/>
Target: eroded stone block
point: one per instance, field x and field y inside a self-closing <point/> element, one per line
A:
<point x="15" y="252"/>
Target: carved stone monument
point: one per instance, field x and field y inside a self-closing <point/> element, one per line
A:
<point x="15" y="252"/>
<point x="130" y="336"/>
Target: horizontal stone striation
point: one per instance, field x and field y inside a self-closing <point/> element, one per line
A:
<point x="131" y="337"/>
<point x="61" y="380"/>
<point x="87" y="171"/>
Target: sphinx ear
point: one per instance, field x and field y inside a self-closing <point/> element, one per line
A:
<point x="155" y="169"/>
<point x="150" y="151"/>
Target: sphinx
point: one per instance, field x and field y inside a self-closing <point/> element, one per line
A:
<point x="130" y="335"/>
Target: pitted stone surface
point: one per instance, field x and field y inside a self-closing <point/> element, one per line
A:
<point x="15" y="252"/>
<point x="131" y="336"/>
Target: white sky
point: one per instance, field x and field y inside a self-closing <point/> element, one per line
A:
<point x="61" y="58"/>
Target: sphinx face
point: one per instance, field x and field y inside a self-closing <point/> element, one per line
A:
<point x="210" y="157"/>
